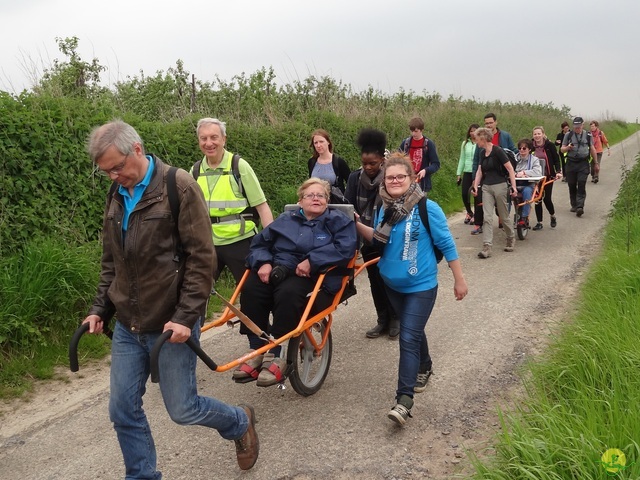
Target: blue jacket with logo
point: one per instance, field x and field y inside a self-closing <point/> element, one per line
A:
<point x="327" y="240"/>
<point x="408" y="262"/>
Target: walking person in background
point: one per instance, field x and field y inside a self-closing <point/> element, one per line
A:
<point x="465" y="169"/>
<point x="230" y="197"/>
<point x="599" y="141"/>
<point x="564" y="129"/>
<point x="409" y="268"/>
<point x="326" y="165"/>
<point x="548" y="155"/>
<point x="363" y="190"/>
<point x="503" y="140"/>
<point x="422" y="153"/>
<point x="495" y="191"/>
<point x="578" y="145"/>
<point x="151" y="285"/>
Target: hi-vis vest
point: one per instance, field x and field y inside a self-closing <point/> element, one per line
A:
<point x="227" y="205"/>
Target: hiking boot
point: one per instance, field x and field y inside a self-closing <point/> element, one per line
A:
<point x="573" y="210"/>
<point x="554" y="222"/>
<point x="402" y="410"/>
<point x="376" y="331"/>
<point x="476" y="231"/>
<point x="394" y="329"/>
<point x="248" y="371"/>
<point x="485" y="252"/>
<point x="538" y="226"/>
<point x="510" y="244"/>
<point x="273" y="370"/>
<point x="421" y="381"/>
<point x="248" y="446"/>
<point x="579" y="211"/>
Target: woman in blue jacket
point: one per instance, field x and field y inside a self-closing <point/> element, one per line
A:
<point x="286" y="259"/>
<point x="409" y="269"/>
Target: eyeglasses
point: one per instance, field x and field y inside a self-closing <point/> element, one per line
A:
<point x="523" y="148"/>
<point x="115" y="170"/>
<point x="395" y="178"/>
<point x="313" y="196"/>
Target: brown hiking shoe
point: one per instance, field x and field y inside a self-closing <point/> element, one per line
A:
<point x="485" y="252"/>
<point x="510" y="244"/>
<point x="248" y="446"/>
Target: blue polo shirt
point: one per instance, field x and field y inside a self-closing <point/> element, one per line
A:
<point x="130" y="201"/>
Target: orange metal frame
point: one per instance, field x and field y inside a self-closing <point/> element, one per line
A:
<point x="538" y="191"/>
<point x="305" y="324"/>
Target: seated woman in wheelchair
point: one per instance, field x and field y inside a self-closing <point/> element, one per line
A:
<point x="285" y="260"/>
<point x="528" y="166"/>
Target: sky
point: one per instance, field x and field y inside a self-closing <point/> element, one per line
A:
<point x="581" y="54"/>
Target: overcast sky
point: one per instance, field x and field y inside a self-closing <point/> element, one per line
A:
<point x="581" y="54"/>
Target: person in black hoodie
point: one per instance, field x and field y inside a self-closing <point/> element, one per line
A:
<point x="363" y="188"/>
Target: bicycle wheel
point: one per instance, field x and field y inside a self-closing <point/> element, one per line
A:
<point x="309" y="368"/>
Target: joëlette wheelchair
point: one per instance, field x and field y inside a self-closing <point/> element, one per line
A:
<point x="310" y="344"/>
<point x="521" y="225"/>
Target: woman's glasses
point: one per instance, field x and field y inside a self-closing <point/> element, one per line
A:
<point x="395" y="178"/>
<point x="313" y="196"/>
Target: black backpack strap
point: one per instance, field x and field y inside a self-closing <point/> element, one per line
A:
<point x="174" y="204"/>
<point x="424" y="216"/>
<point x="195" y="170"/>
<point x="235" y="171"/>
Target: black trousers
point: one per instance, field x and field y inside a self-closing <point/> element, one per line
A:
<point x="466" y="185"/>
<point x="384" y="310"/>
<point x="577" y="174"/>
<point x="233" y="257"/>
<point x="548" y="190"/>
<point x="287" y="301"/>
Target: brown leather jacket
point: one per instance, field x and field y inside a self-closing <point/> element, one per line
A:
<point x="142" y="279"/>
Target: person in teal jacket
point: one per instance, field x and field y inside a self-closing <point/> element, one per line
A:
<point x="409" y="269"/>
<point x="465" y="169"/>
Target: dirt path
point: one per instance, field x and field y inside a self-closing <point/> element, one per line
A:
<point x="63" y="431"/>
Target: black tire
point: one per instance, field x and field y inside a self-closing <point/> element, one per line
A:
<point x="309" y="369"/>
<point x="522" y="231"/>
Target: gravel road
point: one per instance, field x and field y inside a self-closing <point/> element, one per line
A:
<point x="515" y="299"/>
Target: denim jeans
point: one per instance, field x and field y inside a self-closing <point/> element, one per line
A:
<point x="527" y="194"/>
<point x="129" y="374"/>
<point x="413" y="311"/>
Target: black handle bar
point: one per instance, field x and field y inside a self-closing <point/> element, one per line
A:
<point x="155" y="354"/>
<point x="75" y="339"/>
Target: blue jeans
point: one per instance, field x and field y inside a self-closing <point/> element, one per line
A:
<point x="527" y="194"/>
<point x="129" y="375"/>
<point x="413" y="311"/>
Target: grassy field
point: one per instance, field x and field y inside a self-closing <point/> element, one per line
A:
<point x="582" y="403"/>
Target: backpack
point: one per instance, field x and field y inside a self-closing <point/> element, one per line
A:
<point x="424" y="216"/>
<point x="512" y="159"/>
<point x="406" y="145"/>
<point x="251" y="212"/>
<point x="578" y="143"/>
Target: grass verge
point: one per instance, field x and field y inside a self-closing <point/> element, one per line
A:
<point x="583" y="394"/>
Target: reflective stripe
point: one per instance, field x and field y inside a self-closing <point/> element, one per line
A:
<point x="226" y="205"/>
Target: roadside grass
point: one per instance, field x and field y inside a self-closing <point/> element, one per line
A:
<point x="583" y="394"/>
<point x="44" y="291"/>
